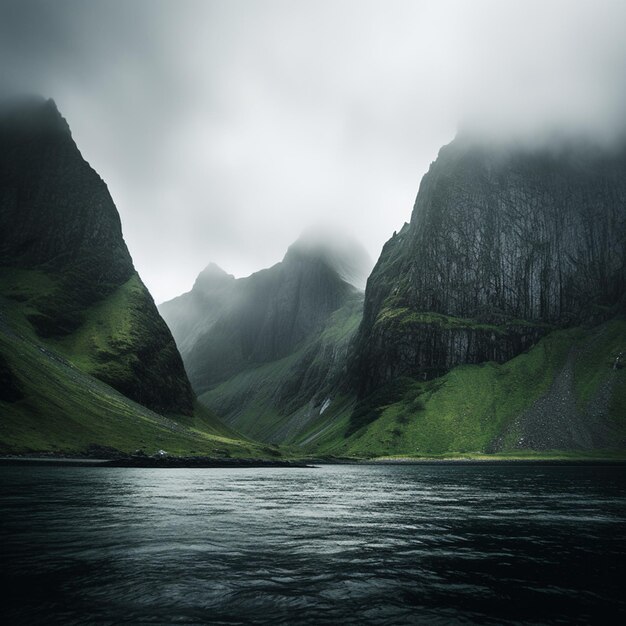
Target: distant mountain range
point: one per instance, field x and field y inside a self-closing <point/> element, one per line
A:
<point x="494" y="322"/>
<point x="237" y="336"/>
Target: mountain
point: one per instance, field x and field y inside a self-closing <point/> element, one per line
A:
<point x="295" y="396"/>
<point x="345" y="255"/>
<point x="85" y="357"/>
<point x="60" y="222"/>
<point x="503" y="246"/>
<point x="493" y="323"/>
<point x="494" y="320"/>
<point x="192" y="314"/>
<point x="564" y="398"/>
<point x="264" y="349"/>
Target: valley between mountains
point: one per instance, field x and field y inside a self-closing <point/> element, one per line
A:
<point x="492" y="325"/>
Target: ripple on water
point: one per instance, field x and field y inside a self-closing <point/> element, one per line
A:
<point x="336" y="544"/>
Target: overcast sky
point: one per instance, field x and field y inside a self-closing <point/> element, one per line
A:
<point x="225" y="128"/>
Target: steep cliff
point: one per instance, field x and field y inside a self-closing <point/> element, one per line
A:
<point x="503" y="246"/>
<point x="565" y="397"/>
<point x="64" y="261"/>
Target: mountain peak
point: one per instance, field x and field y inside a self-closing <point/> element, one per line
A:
<point x="213" y="269"/>
<point x="32" y="114"/>
<point x="58" y="220"/>
<point x="342" y="252"/>
<point x="210" y="276"/>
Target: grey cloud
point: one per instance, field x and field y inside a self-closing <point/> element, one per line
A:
<point x="225" y="128"/>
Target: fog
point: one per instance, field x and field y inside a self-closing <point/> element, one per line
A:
<point x="225" y="128"/>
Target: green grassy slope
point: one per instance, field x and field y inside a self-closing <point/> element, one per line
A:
<point x="62" y="254"/>
<point x="50" y="402"/>
<point x="478" y="409"/>
<point x="116" y="337"/>
<point x="279" y="400"/>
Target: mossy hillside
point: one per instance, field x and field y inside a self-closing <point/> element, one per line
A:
<point x="329" y="426"/>
<point x="26" y="286"/>
<point x="278" y="401"/>
<point x="464" y="411"/>
<point x="248" y="401"/>
<point x="107" y="333"/>
<point x="344" y="322"/>
<point x="595" y="358"/>
<point x="59" y="221"/>
<point x="119" y="339"/>
<point x="59" y="407"/>
<point x="62" y="409"/>
<point x="407" y="342"/>
<point x="396" y="315"/>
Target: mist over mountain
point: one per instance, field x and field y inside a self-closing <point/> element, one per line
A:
<point x="56" y="210"/>
<point x="494" y="319"/>
<point x="341" y="252"/>
<point x="336" y="132"/>
<point x="507" y="244"/>
<point x="503" y="245"/>
<point x="217" y="294"/>
<point x="514" y="254"/>
<point x="224" y="325"/>
<point x="277" y="339"/>
<point x="192" y="314"/>
<point x="387" y="380"/>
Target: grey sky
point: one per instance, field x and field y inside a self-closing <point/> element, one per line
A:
<point x="225" y="128"/>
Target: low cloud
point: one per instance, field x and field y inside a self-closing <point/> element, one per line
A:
<point x="225" y="128"/>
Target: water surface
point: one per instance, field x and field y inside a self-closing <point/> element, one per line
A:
<point x="400" y="544"/>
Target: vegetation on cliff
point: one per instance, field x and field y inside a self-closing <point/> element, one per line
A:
<point x="85" y="358"/>
<point x="565" y="393"/>
<point x="64" y="258"/>
<point x="503" y="245"/>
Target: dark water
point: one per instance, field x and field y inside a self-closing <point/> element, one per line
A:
<point x="332" y="545"/>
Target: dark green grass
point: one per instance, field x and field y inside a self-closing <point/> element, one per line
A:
<point x="273" y="399"/>
<point x="59" y="407"/>
<point x="462" y="412"/>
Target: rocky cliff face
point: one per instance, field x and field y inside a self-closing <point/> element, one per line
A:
<point x="56" y="212"/>
<point x="60" y="227"/>
<point x="502" y="246"/>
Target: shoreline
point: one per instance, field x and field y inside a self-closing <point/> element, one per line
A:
<point x="145" y="462"/>
<point x="208" y="462"/>
<point x="500" y="461"/>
